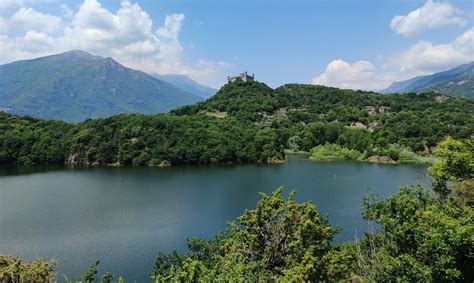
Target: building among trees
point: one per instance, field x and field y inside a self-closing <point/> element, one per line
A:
<point x="243" y="76"/>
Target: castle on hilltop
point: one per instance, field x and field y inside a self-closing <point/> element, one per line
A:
<point x="243" y="76"/>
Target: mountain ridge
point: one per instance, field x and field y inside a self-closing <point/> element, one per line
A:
<point x="458" y="81"/>
<point x="187" y="84"/>
<point x="77" y="85"/>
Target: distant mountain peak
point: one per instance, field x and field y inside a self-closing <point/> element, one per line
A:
<point x="77" y="85"/>
<point x="187" y="84"/>
<point x="78" y="54"/>
<point x="458" y="81"/>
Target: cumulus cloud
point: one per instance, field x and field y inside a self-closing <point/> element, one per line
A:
<point x="358" y="75"/>
<point x="67" y="12"/>
<point x="422" y="58"/>
<point x="28" y="19"/>
<point x="431" y="15"/>
<point x="426" y="57"/>
<point x="127" y="35"/>
<point x="3" y="26"/>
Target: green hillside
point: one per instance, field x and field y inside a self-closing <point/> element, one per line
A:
<point x="76" y="85"/>
<point x="458" y="81"/>
<point x="244" y="122"/>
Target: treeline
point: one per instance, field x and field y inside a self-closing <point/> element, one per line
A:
<point x="317" y="114"/>
<point x="243" y="122"/>
<point x="153" y="140"/>
<point x="420" y="237"/>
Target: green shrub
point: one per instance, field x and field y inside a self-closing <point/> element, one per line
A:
<point x="334" y="152"/>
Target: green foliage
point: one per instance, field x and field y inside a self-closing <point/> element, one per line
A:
<point x="294" y="143"/>
<point x="106" y="277"/>
<point x="305" y="110"/>
<point x="245" y="101"/>
<point x="319" y="133"/>
<point x="257" y="127"/>
<point x="456" y="164"/>
<point x="399" y="153"/>
<point x="13" y="269"/>
<point x="31" y="141"/>
<point x="334" y="152"/>
<point x="420" y="239"/>
<point x="457" y="160"/>
<point x="89" y="276"/>
<point x="463" y="192"/>
<point x="279" y="240"/>
<point x="357" y="139"/>
<point x="137" y="140"/>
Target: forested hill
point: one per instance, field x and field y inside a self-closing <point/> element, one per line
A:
<point x="244" y="122"/>
<point x="254" y="101"/>
<point x="410" y="119"/>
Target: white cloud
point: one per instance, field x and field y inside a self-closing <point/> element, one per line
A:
<point x="172" y="26"/>
<point x="127" y="35"/>
<point x="358" y="75"/>
<point x="28" y="19"/>
<point x="67" y="12"/>
<point x="3" y="26"/>
<point x="425" y="57"/>
<point x="431" y="15"/>
<point x="422" y="58"/>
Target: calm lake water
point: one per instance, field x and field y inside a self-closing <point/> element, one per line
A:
<point x="124" y="216"/>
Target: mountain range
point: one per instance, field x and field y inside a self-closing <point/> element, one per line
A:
<point x="458" y="81"/>
<point x="76" y="85"/>
<point x="187" y="84"/>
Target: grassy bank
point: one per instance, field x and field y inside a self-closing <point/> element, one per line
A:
<point x="330" y="152"/>
<point x="396" y="153"/>
<point x="301" y="152"/>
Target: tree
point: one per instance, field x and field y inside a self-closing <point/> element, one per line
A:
<point x="107" y="277"/>
<point x="89" y="276"/>
<point x="358" y="139"/>
<point x="279" y="240"/>
<point x="13" y="269"/>
<point x="456" y="164"/>
<point x="294" y="143"/>
<point x="420" y="239"/>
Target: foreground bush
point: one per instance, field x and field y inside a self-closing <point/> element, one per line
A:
<point x="420" y="239"/>
<point x="13" y="269"/>
<point x="279" y="240"/>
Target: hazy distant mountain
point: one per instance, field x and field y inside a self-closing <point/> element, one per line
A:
<point x="187" y="84"/>
<point x="456" y="82"/>
<point x="77" y="85"/>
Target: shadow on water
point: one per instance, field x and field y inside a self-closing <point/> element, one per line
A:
<point x="8" y="170"/>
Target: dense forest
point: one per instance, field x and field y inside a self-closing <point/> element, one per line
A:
<point x="245" y="122"/>
<point x="420" y="236"/>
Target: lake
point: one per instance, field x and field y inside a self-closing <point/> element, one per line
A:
<point x="124" y="216"/>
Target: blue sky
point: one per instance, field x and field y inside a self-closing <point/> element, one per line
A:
<point x="349" y="44"/>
